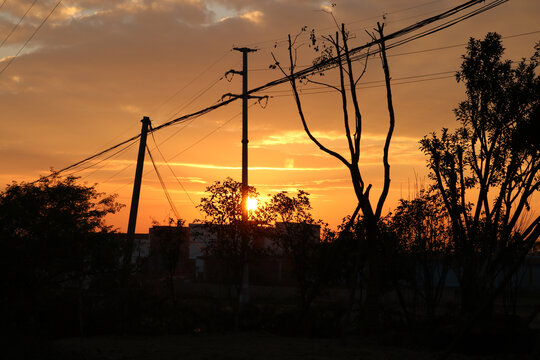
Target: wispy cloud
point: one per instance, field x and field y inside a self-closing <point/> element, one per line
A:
<point x="254" y="168"/>
<point x="294" y="137"/>
<point x="300" y="137"/>
<point x="253" y="16"/>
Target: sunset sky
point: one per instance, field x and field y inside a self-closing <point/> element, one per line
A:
<point x="96" y="67"/>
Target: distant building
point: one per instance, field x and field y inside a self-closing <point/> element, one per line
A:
<point x="169" y="250"/>
<point x="273" y="268"/>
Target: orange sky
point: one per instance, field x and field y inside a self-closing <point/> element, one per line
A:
<point x="96" y="67"/>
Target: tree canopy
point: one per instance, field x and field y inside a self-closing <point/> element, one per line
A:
<point x="54" y="238"/>
<point x="487" y="170"/>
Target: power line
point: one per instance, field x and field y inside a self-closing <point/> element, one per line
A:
<point x="308" y="92"/>
<point x="376" y="81"/>
<point x="1" y="6"/>
<point x="171" y="203"/>
<point x="423" y="50"/>
<point x="195" y="97"/>
<point x="17" y="24"/>
<point x="174" y="174"/>
<point x="190" y="101"/>
<point x="185" y="149"/>
<point x="332" y="62"/>
<point x="284" y="39"/>
<point x="209" y="133"/>
<point x="30" y="38"/>
<point x="192" y="81"/>
<point x="114" y="155"/>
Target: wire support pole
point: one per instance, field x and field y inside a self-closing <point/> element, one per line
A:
<point x="245" y="140"/>
<point x="244" y="291"/>
<point x="136" y="191"/>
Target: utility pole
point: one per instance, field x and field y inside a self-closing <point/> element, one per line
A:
<point x="245" y="97"/>
<point x="244" y="292"/>
<point x="136" y="192"/>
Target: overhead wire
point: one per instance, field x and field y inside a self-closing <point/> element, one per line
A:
<point x="211" y="132"/>
<point x="191" y="82"/>
<point x="447" y="24"/>
<point x="137" y="136"/>
<point x="194" y="143"/>
<point x="421" y="51"/>
<point x="30" y="38"/>
<point x="191" y="100"/>
<point x="332" y="62"/>
<point x="114" y="155"/>
<point x="18" y="22"/>
<point x="364" y="87"/>
<point x="375" y="81"/>
<point x="167" y="195"/>
<point x="194" y="98"/>
<point x="172" y="171"/>
<point x="284" y="39"/>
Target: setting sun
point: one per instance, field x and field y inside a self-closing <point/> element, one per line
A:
<point x="252" y="204"/>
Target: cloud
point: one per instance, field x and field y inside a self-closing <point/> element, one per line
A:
<point x="253" y="168"/>
<point x="300" y="137"/>
<point x="295" y="137"/>
<point x="253" y="16"/>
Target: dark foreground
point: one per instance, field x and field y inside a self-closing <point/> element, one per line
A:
<point x="247" y="345"/>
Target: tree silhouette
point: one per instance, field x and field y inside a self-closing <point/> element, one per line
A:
<point x="167" y="248"/>
<point x="224" y="240"/>
<point x="54" y="242"/>
<point x="297" y="237"/>
<point x="487" y="170"/>
<point x="337" y="46"/>
<point x="422" y="228"/>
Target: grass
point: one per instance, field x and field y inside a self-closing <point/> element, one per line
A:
<point x="240" y="346"/>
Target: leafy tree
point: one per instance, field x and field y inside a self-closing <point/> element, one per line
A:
<point x="422" y="228"/>
<point x="231" y="242"/>
<point x="487" y="171"/>
<point x="297" y="236"/>
<point x="54" y="238"/>
<point x="167" y="249"/>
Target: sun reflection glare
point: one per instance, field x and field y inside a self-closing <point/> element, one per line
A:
<point x="252" y="204"/>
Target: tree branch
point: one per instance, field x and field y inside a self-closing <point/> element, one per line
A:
<point x="391" y="115"/>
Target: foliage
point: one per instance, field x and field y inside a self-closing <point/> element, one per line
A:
<point x="227" y="238"/>
<point x="166" y="249"/>
<point x="292" y="209"/>
<point x="297" y="236"/>
<point x="422" y="224"/>
<point x="223" y="206"/>
<point x="54" y="238"/>
<point x="487" y="171"/>
<point x="422" y="230"/>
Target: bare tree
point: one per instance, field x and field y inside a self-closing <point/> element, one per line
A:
<point x="347" y="89"/>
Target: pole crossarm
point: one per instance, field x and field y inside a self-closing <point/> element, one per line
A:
<point x="236" y="72"/>
<point x="239" y="96"/>
<point x="244" y="49"/>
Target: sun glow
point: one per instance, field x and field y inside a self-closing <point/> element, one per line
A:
<point x="252" y="204"/>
